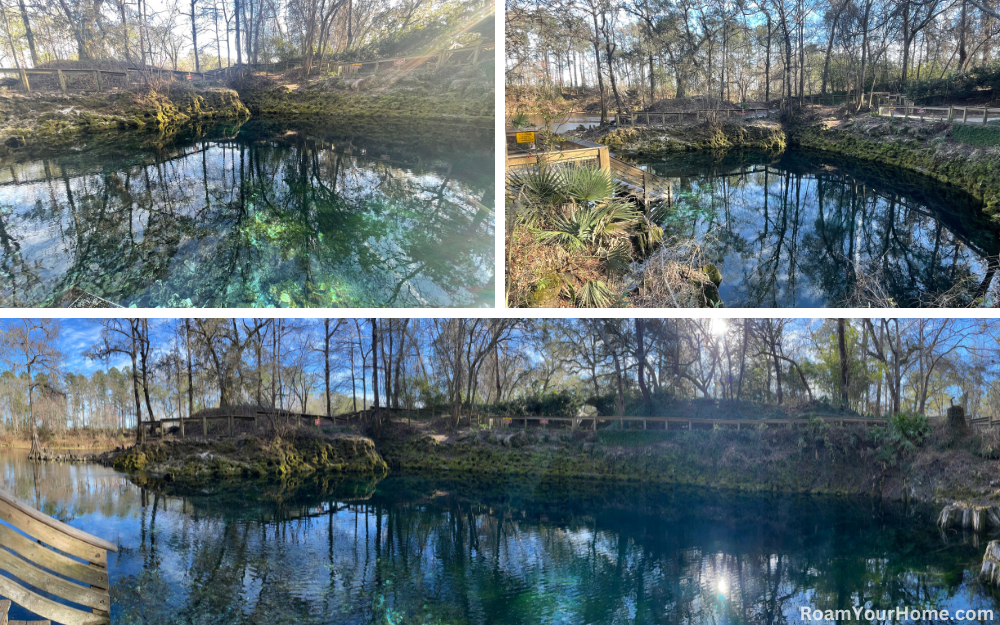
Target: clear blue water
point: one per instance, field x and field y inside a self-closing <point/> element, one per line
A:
<point x="265" y="214"/>
<point x="797" y="229"/>
<point x="439" y="550"/>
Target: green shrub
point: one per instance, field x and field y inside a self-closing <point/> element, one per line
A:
<point x="980" y="136"/>
<point x="631" y="438"/>
<point x="901" y="434"/>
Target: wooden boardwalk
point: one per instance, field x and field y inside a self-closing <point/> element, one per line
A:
<point x="43" y="554"/>
<point x="647" y="188"/>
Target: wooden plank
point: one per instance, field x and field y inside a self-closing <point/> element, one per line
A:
<point x="70" y="591"/>
<point x="59" y="526"/>
<point x="52" y="560"/>
<point x="47" y="608"/>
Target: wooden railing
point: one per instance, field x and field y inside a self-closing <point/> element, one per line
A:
<point x="684" y="423"/>
<point x="963" y="114"/>
<point x="466" y="56"/>
<point x="648" y="188"/>
<point x="644" y="118"/>
<point x="57" y="559"/>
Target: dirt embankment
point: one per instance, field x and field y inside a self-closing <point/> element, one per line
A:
<point x="428" y="93"/>
<point x="817" y="458"/>
<point x="965" y="155"/>
<point x="52" y="120"/>
<point x="194" y="461"/>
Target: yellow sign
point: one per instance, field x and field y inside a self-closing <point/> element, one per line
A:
<point x="525" y="137"/>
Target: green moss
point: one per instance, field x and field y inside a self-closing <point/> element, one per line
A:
<point x="914" y="147"/>
<point x="655" y="142"/>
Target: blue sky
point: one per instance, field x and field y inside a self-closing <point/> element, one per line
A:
<point x="78" y="335"/>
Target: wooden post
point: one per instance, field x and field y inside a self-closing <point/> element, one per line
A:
<point x="475" y="54"/>
<point x="440" y="60"/>
<point x="255" y="423"/>
<point x="689" y="426"/>
<point x="985" y="112"/>
<point x="24" y="80"/>
<point x="230" y="426"/>
<point x="644" y="424"/>
<point x="204" y="427"/>
<point x="603" y="158"/>
<point x="97" y="80"/>
<point x="62" y="80"/>
<point x="127" y="84"/>
<point x="951" y="112"/>
<point x="182" y="427"/>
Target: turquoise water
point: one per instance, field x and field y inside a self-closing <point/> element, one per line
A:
<point x="266" y="214"/>
<point x="802" y="229"/>
<point x="419" y="549"/>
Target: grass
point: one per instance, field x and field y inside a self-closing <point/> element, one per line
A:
<point x="631" y="438"/>
<point x="978" y="136"/>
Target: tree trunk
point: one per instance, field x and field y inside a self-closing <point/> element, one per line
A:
<point x="844" y="367"/>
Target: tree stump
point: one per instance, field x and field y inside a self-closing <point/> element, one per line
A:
<point x="991" y="563"/>
<point x="956" y="420"/>
<point x="965" y="516"/>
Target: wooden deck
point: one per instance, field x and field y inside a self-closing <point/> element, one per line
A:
<point x="43" y="554"/>
<point x="647" y="188"/>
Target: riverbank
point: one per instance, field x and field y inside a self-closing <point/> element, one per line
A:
<point x="194" y="461"/>
<point x="449" y="93"/>
<point x="646" y="143"/>
<point x="817" y="459"/>
<point x="43" y="120"/>
<point x="964" y="155"/>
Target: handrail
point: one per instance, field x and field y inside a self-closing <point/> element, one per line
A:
<point x="57" y="525"/>
<point x="39" y="552"/>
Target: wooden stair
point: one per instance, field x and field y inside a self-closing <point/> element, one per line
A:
<point x="5" y="608"/>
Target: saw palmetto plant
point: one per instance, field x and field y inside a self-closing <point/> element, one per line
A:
<point x="578" y="209"/>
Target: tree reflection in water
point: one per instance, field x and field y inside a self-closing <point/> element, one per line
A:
<point x="823" y="221"/>
<point x="262" y="215"/>
<point x="411" y="549"/>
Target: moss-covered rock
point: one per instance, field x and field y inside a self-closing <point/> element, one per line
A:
<point x="52" y="120"/>
<point x="925" y="147"/>
<point x="197" y="460"/>
<point x="653" y="142"/>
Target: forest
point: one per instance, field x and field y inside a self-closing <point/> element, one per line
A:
<point x="153" y="369"/>
<point x="639" y="52"/>
<point x="201" y="35"/>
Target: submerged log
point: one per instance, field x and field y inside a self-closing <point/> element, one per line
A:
<point x="991" y="563"/>
<point x="967" y="516"/>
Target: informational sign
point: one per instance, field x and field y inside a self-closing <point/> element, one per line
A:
<point x="399" y="62"/>
<point x="356" y="65"/>
<point x="544" y="421"/>
<point x="525" y="137"/>
<point x="317" y="421"/>
<point x="189" y="76"/>
<point x="505" y="421"/>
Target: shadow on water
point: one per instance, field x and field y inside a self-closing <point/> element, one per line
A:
<point x="264" y="214"/>
<point x="434" y="549"/>
<point x="796" y="229"/>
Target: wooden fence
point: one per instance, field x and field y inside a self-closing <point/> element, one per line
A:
<point x="576" y="423"/>
<point x="99" y="77"/>
<point x="77" y="572"/>
<point x="963" y="114"/>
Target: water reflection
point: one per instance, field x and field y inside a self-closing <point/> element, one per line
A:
<point x="261" y="215"/>
<point x="806" y="230"/>
<point x="434" y="550"/>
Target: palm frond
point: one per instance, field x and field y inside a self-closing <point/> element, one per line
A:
<point x="594" y="294"/>
<point x="588" y="184"/>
